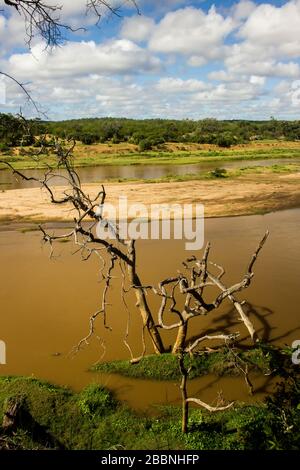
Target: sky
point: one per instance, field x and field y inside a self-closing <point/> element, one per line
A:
<point x="190" y="59"/>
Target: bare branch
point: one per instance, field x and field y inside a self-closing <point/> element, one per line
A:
<point x="226" y="338"/>
<point x="44" y="19"/>
<point x="208" y="407"/>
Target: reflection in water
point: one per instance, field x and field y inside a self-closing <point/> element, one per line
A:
<point x="45" y="305"/>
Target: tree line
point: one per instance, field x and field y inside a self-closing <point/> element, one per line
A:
<point x="149" y="133"/>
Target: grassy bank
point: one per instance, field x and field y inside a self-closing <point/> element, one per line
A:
<point x="224" y="362"/>
<point x="218" y="173"/>
<point x="56" y="418"/>
<point x="116" y="155"/>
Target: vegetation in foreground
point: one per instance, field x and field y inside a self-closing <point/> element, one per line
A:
<point x="262" y="358"/>
<point x="56" y="418"/>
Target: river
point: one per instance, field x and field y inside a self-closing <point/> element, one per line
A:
<point x="45" y="304"/>
<point x="108" y="172"/>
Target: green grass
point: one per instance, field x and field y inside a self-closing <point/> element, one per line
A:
<point x="228" y="174"/>
<point x="156" y="157"/>
<point x="212" y="175"/>
<point x="93" y="419"/>
<point x="165" y="367"/>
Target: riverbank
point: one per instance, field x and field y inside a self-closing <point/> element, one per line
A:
<point x="168" y="154"/>
<point x="262" y="359"/>
<point x="51" y="417"/>
<point x="248" y="192"/>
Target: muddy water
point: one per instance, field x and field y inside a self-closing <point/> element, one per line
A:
<point x="106" y="172"/>
<point x="45" y="305"/>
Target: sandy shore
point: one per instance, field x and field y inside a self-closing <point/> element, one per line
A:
<point x="221" y="197"/>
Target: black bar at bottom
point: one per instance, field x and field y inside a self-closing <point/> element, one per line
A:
<point x="137" y="459"/>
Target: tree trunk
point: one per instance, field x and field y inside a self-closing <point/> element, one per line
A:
<point x="183" y="388"/>
<point x="142" y="303"/>
<point x="180" y="340"/>
<point x="12" y="414"/>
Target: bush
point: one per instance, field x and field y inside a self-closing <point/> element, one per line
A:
<point x="4" y="147"/>
<point x="95" y="400"/>
<point x="89" y="139"/>
<point x="219" y="173"/>
<point x="225" y="140"/>
<point x="145" y="145"/>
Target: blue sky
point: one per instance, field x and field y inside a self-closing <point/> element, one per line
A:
<point x="177" y="59"/>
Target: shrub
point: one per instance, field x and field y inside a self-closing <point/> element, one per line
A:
<point x="4" y="147"/>
<point x="95" y="400"/>
<point x="144" y="145"/>
<point x="225" y="140"/>
<point x="219" y="173"/>
<point x="89" y="139"/>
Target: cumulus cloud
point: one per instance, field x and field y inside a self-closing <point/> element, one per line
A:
<point x="246" y="59"/>
<point x="191" y="32"/>
<point x="81" y="58"/>
<point x="182" y="60"/>
<point x="196" y="61"/>
<point x="238" y="91"/>
<point x="12" y="32"/>
<point x="277" y="28"/>
<point x="137" y="28"/>
<point x="268" y="41"/>
<point x="243" y="9"/>
<point x="177" y="85"/>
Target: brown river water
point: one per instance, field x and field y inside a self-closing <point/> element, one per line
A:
<point x="45" y="305"/>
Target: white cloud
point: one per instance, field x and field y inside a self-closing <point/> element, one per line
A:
<point x="277" y="28"/>
<point x="222" y="76"/>
<point x="12" y="32"/>
<point x="137" y="28"/>
<point x="196" y="61"/>
<point x="191" y="31"/>
<point x="294" y="94"/>
<point x="177" y="85"/>
<point x="123" y="77"/>
<point x="268" y="41"/>
<point x="243" y="9"/>
<point x="101" y="95"/>
<point x="257" y="80"/>
<point x="238" y="91"/>
<point x="253" y="59"/>
<point x="81" y="58"/>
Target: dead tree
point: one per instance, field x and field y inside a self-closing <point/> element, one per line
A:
<point x="186" y="400"/>
<point x="193" y="287"/>
<point x="188" y="287"/>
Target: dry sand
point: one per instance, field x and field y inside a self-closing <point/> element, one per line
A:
<point x="222" y="197"/>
